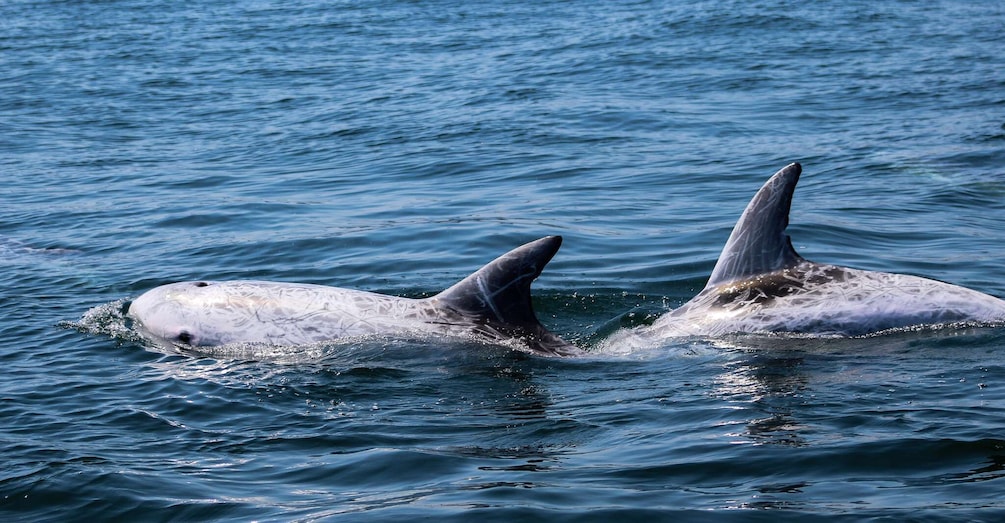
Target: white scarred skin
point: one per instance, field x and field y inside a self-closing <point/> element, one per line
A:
<point x="840" y="302"/>
<point x="229" y="312"/>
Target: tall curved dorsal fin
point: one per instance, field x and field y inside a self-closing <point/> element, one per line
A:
<point x="498" y="296"/>
<point x="758" y="243"/>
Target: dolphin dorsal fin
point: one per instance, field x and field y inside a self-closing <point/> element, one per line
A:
<point x="758" y="243"/>
<point x="498" y="296"/>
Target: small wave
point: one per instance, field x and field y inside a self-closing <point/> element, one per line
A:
<point x="109" y="320"/>
<point x="627" y="344"/>
<point x="10" y="246"/>
<point x="947" y="328"/>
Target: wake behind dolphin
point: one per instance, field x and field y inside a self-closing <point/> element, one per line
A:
<point x="491" y="305"/>
<point x="761" y="285"/>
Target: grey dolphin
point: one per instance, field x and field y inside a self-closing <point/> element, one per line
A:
<point x="761" y="285"/>
<point x="491" y="305"/>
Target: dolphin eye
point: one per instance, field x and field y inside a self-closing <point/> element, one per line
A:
<point x="201" y="284"/>
<point x="185" y="337"/>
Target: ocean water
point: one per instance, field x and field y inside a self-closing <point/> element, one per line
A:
<point x="398" y="146"/>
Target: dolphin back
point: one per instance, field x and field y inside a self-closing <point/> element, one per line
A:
<point x="497" y="298"/>
<point x="758" y="243"/>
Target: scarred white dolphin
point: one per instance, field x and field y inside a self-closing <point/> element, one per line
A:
<point x="491" y="305"/>
<point x="761" y="285"/>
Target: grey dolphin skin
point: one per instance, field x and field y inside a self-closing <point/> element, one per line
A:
<point x="492" y="305"/>
<point x="761" y="285"/>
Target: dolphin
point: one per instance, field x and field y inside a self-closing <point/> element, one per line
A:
<point x="491" y="305"/>
<point x="760" y="284"/>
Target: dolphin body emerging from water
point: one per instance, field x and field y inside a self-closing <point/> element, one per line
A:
<point x="761" y="285"/>
<point x="491" y="305"/>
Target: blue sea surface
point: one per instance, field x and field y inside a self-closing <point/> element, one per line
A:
<point x="396" y="147"/>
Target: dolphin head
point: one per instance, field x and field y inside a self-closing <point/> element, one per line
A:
<point x="174" y="313"/>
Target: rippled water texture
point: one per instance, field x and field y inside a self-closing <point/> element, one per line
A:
<point x="397" y="146"/>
